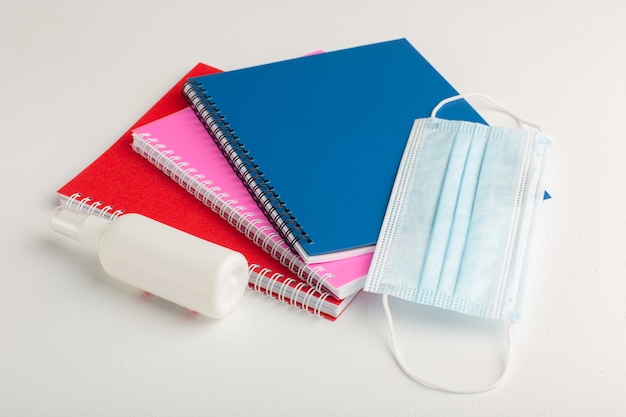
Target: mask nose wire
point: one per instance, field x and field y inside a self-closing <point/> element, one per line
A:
<point x="518" y="119"/>
<point x="428" y="384"/>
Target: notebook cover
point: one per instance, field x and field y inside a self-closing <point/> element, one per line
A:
<point x="177" y="144"/>
<point x="318" y="139"/>
<point x="120" y="179"/>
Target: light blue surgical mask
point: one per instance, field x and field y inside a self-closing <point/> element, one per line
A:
<point x="460" y="217"/>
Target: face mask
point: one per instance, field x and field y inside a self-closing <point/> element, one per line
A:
<point x="459" y="219"/>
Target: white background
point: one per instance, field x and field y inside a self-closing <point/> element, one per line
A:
<point x="74" y="75"/>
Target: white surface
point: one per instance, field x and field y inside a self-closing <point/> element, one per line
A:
<point x="74" y="76"/>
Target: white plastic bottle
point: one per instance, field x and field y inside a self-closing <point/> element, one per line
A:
<point x="164" y="261"/>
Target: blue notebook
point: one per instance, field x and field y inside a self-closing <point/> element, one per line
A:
<point x="317" y="140"/>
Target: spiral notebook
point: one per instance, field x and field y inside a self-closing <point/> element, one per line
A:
<point x="317" y="140"/>
<point x="178" y="145"/>
<point x="121" y="181"/>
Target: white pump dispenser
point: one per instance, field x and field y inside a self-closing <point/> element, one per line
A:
<point x="164" y="261"/>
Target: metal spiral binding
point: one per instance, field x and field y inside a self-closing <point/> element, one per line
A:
<point x="277" y="286"/>
<point x="234" y="150"/>
<point x="211" y="195"/>
<point x="93" y="207"/>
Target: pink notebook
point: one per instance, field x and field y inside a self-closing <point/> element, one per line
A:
<point x="179" y="145"/>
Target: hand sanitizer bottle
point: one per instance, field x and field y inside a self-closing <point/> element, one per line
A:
<point x="164" y="261"/>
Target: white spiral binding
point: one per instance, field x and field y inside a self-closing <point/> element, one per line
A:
<point x="276" y="285"/>
<point x="307" y="298"/>
<point x="259" y="277"/>
<point x="322" y="281"/>
<point x="90" y="206"/>
<point x="319" y="304"/>
<point x="271" y="243"/>
<point x="281" y="295"/>
<point x="296" y="291"/>
<point x="276" y="279"/>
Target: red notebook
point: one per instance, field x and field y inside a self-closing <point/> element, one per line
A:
<point x="122" y="181"/>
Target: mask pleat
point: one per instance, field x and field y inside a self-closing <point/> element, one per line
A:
<point x="442" y="221"/>
<point x="411" y="246"/>
<point x="487" y="240"/>
<point x="461" y="221"/>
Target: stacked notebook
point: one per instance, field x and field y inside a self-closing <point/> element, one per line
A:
<point x="317" y="140"/>
<point x="121" y="181"/>
<point x="290" y="163"/>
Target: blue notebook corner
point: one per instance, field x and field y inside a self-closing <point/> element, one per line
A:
<point x="318" y="139"/>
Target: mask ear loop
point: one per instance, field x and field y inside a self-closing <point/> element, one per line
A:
<point x="419" y="380"/>
<point x="518" y="119"/>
